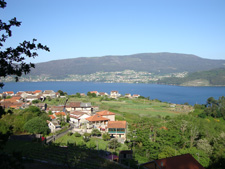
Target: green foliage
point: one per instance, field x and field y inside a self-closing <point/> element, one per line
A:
<point x="86" y="137"/>
<point x="69" y="134"/>
<point x="105" y="136"/>
<point x="95" y="132"/>
<point x="213" y="77"/>
<point x="113" y="144"/>
<point x="91" y="145"/>
<point x="36" y="126"/>
<point x="76" y="134"/>
<point x="214" y="108"/>
<point x="36" y="101"/>
<point x="91" y="94"/>
<point x="62" y="93"/>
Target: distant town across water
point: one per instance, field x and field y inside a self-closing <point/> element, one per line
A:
<point x="165" y="93"/>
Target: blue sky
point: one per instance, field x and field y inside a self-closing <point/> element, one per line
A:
<point x="87" y="28"/>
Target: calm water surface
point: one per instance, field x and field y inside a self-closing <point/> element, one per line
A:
<point x="165" y="93"/>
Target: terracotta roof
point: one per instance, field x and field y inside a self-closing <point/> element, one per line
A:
<point x="37" y="91"/>
<point x="60" y="114"/>
<point x="94" y="92"/>
<point x="102" y="93"/>
<point x="77" y="113"/>
<point x="52" y="116"/>
<point x="73" y="116"/>
<point x="97" y="118"/>
<point x="105" y="113"/>
<point x="185" y="161"/>
<point x="74" y="104"/>
<point x="117" y="124"/>
<point x="12" y="99"/>
<point x="114" y="91"/>
<point x="9" y="92"/>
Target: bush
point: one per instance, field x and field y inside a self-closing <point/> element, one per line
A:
<point x="86" y="137"/>
<point x="106" y="136"/>
<point x="77" y="134"/>
<point x="69" y="134"/>
<point x="113" y="144"/>
<point x="96" y="132"/>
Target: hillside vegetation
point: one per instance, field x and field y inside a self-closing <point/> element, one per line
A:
<point x="214" y="77"/>
<point x="155" y="130"/>
<point x="147" y="62"/>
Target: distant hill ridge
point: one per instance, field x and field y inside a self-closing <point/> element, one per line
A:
<point x="148" y="62"/>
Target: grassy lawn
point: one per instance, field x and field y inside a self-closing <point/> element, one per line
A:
<point x="98" y="143"/>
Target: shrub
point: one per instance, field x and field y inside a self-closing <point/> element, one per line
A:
<point x="77" y="134"/>
<point x="106" y="136"/>
<point x="86" y="137"/>
<point x="95" y="132"/>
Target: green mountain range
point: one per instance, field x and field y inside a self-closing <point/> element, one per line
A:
<point x="148" y="62"/>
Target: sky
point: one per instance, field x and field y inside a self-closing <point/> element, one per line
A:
<point x="90" y="28"/>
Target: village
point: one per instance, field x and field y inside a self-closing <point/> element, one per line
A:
<point x="69" y="117"/>
<point x="83" y="117"/>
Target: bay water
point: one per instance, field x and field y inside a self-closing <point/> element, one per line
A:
<point x="165" y="93"/>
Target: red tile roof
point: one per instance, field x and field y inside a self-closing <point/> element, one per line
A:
<point x="77" y="113"/>
<point x="105" y="113"/>
<point x="60" y="114"/>
<point x="94" y="92"/>
<point x="12" y="99"/>
<point x="117" y="124"/>
<point x="74" y="104"/>
<point x="37" y="91"/>
<point x="52" y="116"/>
<point x="97" y="118"/>
<point x="9" y="92"/>
<point x="185" y="161"/>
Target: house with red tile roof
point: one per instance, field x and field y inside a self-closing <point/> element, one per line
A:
<point x="103" y="94"/>
<point x="117" y="129"/>
<point x="9" y="93"/>
<point x="53" y="126"/>
<point x="128" y="95"/>
<point x="78" y="118"/>
<point x="107" y="114"/>
<point x="114" y="94"/>
<point x="95" y="92"/>
<point x="37" y="92"/>
<point x="136" y="95"/>
<point x="185" y="161"/>
<point x="97" y="121"/>
<point x="52" y="117"/>
<point x="60" y="114"/>
<point x="73" y="106"/>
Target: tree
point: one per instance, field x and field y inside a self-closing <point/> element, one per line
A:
<point x="95" y="132"/>
<point x="36" y="126"/>
<point x="86" y="137"/>
<point x="12" y="60"/>
<point x="105" y="136"/>
<point x="113" y="144"/>
<point x="62" y="93"/>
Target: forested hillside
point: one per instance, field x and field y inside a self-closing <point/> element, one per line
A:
<point x="148" y="62"/>
<point x="214" y="77"/>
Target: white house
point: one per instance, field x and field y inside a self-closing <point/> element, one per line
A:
<point x="114" y="94"/>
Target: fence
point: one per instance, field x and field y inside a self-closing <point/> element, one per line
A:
<point x="54" y="137"/>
